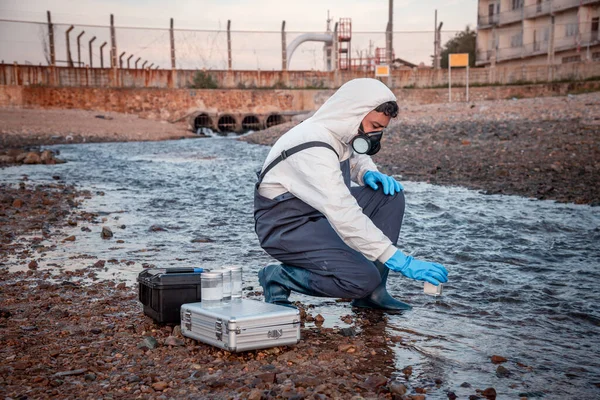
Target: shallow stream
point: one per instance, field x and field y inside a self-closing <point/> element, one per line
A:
<point x="523" y="273"/>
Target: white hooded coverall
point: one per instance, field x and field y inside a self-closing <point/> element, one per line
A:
<point x="306" y="213"/>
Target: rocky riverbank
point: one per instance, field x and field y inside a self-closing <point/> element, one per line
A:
<point x="545" y="148"/>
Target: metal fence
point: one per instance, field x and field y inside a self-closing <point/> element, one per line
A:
<point x="79" y="45"/>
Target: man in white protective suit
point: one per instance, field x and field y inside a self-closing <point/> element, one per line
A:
<point x="334" y="239"/>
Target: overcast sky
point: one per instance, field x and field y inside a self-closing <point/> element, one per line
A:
<point x="250" y="50"/>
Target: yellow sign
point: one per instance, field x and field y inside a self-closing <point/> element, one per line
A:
<point x="382" y="70"/>
<point x="459" y="60"/>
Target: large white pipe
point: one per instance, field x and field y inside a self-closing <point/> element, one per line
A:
<point x="307" y="37"/>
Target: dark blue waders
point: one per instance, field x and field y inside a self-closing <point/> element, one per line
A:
<point x="315" y="260"/>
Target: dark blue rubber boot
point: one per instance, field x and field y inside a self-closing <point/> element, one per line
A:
<point x="278" y="280"/>
<point x="380" y="298"/>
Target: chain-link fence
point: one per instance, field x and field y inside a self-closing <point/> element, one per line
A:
<point x="81" y="45"/>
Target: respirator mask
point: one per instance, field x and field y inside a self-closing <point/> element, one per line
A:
<point x="367" y="143"/>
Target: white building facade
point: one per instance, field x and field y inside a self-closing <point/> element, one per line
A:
<point x="534" y="32"/>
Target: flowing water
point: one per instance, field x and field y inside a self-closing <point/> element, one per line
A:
<point x="524" y="273"/>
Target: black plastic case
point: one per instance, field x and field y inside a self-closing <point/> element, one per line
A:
<point x="162" y="291"/>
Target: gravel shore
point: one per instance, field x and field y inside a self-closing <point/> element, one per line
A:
<point x="545" y="148"/>
<point x="31" y="127"/>
<point x="65" y="333"/>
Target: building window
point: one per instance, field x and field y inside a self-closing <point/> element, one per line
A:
<point x="572" y="30"/>
<point x="595" y="22"/>
<point x="571" y="59"/>
<point x="539" y="5"/>
<point x="516" y="4"/>
<point x="596" y="56"/>
<point x="516" y="40"/>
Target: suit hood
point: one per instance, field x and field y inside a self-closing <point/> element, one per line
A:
<point x="343" y="112"/>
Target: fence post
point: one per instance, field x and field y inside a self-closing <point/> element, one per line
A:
<point x="79" y="49"/>
<point x="113" y="51"/>
<point x="51" y="40"/>
<point x="69" y="59"/>
<point x="90" y="47"/>
<point x="283" y="48"/>
<point x="173" y="73"/>
<point x="102" y="55"/>
<point x="229" y="45"/>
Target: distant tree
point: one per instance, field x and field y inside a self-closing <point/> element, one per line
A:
<point x="462" y="42"/>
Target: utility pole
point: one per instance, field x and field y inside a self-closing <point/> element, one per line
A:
<point x="113" y="43"/>
<point x="51" y="40"/>
<point x="283" y="48"/>
<point x="172" y="33"/>
<point x="79" y="48"/>
<point x="102" y="55"/>
<point x="69" y="59"/>
<point x="90" y="47"/>
<point x="389" y="34"/>
<point x="229" y="44"/>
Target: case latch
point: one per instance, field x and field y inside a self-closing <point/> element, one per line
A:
<point x="187" y="318"/>
<point x="219" y="329"/>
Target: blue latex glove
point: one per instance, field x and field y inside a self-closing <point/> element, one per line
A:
<point x="417" y="269"/>
<point x="390" y="185"/>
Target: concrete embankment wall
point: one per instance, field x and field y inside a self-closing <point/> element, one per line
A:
<point x="265" y="105"/>
<point x="27" y="75"/>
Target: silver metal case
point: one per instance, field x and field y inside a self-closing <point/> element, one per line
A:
<point x="241" y="324"/>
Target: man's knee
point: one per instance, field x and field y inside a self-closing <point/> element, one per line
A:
<point x="361" y="285"/>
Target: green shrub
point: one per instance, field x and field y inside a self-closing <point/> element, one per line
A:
<point x="203" y="80"/>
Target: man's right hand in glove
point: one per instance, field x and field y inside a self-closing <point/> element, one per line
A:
<point x="417" y="269"/>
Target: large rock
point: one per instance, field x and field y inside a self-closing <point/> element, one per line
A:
<point x="32" y="158"/>
<point x="47" y="157"/>
<point x="7" y="160"/>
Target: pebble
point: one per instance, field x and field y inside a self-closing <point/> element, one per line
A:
<point x="106" y="233"/>
<point x="173" y="341"/>
<point x="160" y="386"/>
<point x="397" y="388"/>
<point x="489" y="393"/>
<point x="72" y="372"/>
<point x="502" y="372"/>
<point x="498" y="359"/>
<point x="348" y="332"/>
<point x="70" y="238"/>
<point x="375" y="381"/>
<point x="33" y="265"/>
<point x="149" y="343"/>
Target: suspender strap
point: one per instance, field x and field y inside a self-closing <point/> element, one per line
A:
<point x="286" y="153"/>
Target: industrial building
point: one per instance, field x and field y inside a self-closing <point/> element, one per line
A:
<point x="535" y="32"/>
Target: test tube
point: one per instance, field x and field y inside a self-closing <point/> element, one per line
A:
<point x="236" y="281"/>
